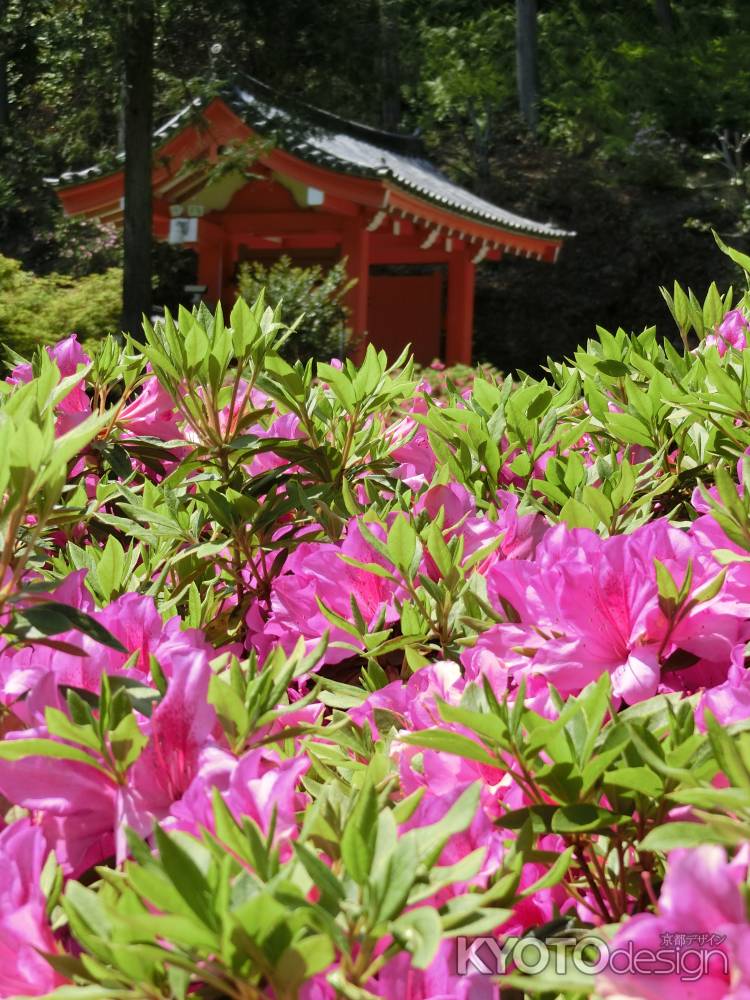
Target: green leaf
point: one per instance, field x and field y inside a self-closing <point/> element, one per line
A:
<point x="726" y="799"/>
<point x="420" y="931"/>
<point x="230" y="709"/>
<point x="573" y="983"/>
<point x="18" y="749"/>
<point x="186" y="877"/>
<point x="456" y="820"/>
<point x="636" y="779"/>
<point x="403" y="810"/>
<point x="127" y="741"/>
<point x="109" y="569"/>
<point x="368" y="567"/>
<point x="554" y="876"/>
<point x="402" y="542"/>
<point x="615" y="369"/>
<point x="51" y="618"/>
<point x="672" y="835"/>
<point x="450" y="742"/>
<point x="582" y="818"/>
<point x="331" y="889"/>
<point x="358" y="839"/>
<point x="668" y="592"/>
<point x="394" y="869"/>
<point x="627" y="428"/>
<point x="303" y="960"/>
<point x="539" y="404"/>
<point x="709" y="590"/>
<point x="577" y="515"/>
<point x="739" y="258"/>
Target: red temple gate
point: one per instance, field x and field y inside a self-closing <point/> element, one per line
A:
<point x="319" y="188"/>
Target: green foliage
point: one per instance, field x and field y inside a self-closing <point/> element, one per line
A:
<point x="442" y="379"/>
<point x="33" y="475"/>
<point x="630" y="102"/>
<point x="610" y="70"/>
<point x="614" y="83"/>
<point x="225" y="910"/>
<point x="464" y="82"/>
<point x="609" y="438"/>
<point x="39" y="310"/>
<point x="312" y="297"/>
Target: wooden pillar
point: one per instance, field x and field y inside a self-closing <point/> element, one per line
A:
<point x="355" y="246"/>
<point x="210" y="266"/>
<point x="228" y="262"/>
<point x="460" y="318"/>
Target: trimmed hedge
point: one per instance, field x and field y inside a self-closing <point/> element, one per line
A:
<point x="39" y="310"/>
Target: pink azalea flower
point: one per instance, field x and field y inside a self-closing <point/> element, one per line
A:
<point x="68" y="355"/>
<point x="588" y="604"/>
<point x="416" y="460"/>
<point x="413" y="702"/>
<point x="729" y="702"/>
<point x="440" y="981"/>
<point x="131" y="618"/>
<point x="700" y="895"/>
<point x="78" y="806"/>
<point x="288" y="427"/>
<point x="732" y="332"/>
<point x="317" y="988"/>
<point x="315" y="570"/>
<point x="545" y="904"/>
<point x="523" y="532"/>
<point x="151" y="413"/>
<point x="445" y="782"/>
<point x="179" y="729"/>
<point x="460" y="518"/>
<point x="83" y="810"/>
<point x="255" y="785"/>
<point x="24" y="929"/>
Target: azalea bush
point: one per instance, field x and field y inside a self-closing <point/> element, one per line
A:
<point x="312" y="302"/>
<point x="314" y="680"/>
<point x="38" y="310"/>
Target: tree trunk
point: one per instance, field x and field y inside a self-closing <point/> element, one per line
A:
<point x="121" y="117"/>
<point x="665" y="15"/>
<point x="4" y="102"/>
<point x="390" y="65"/>
<point x="526" y="62"/>
<point x="138" y="43"/>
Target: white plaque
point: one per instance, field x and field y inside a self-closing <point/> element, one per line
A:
<point x="183" y="230"/>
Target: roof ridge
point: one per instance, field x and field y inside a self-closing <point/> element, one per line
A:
<point x="336" y="143"/>
<point x="405" y="143"/>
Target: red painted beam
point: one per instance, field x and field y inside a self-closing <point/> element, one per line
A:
<point x="447" y="220"/>
<point x="360" y="190"/>
<point x="299" y="241"/>
<point x="408" y="255"/>
<point x="279" y="223"/>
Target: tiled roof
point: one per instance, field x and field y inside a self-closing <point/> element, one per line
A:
<point x="346" y="147"/>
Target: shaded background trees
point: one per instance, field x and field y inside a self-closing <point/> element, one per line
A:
<point x="640" y="111"/>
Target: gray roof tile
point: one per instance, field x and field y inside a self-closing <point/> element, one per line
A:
<point x="348" y="147"/>
<point x="357" y="149"/>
